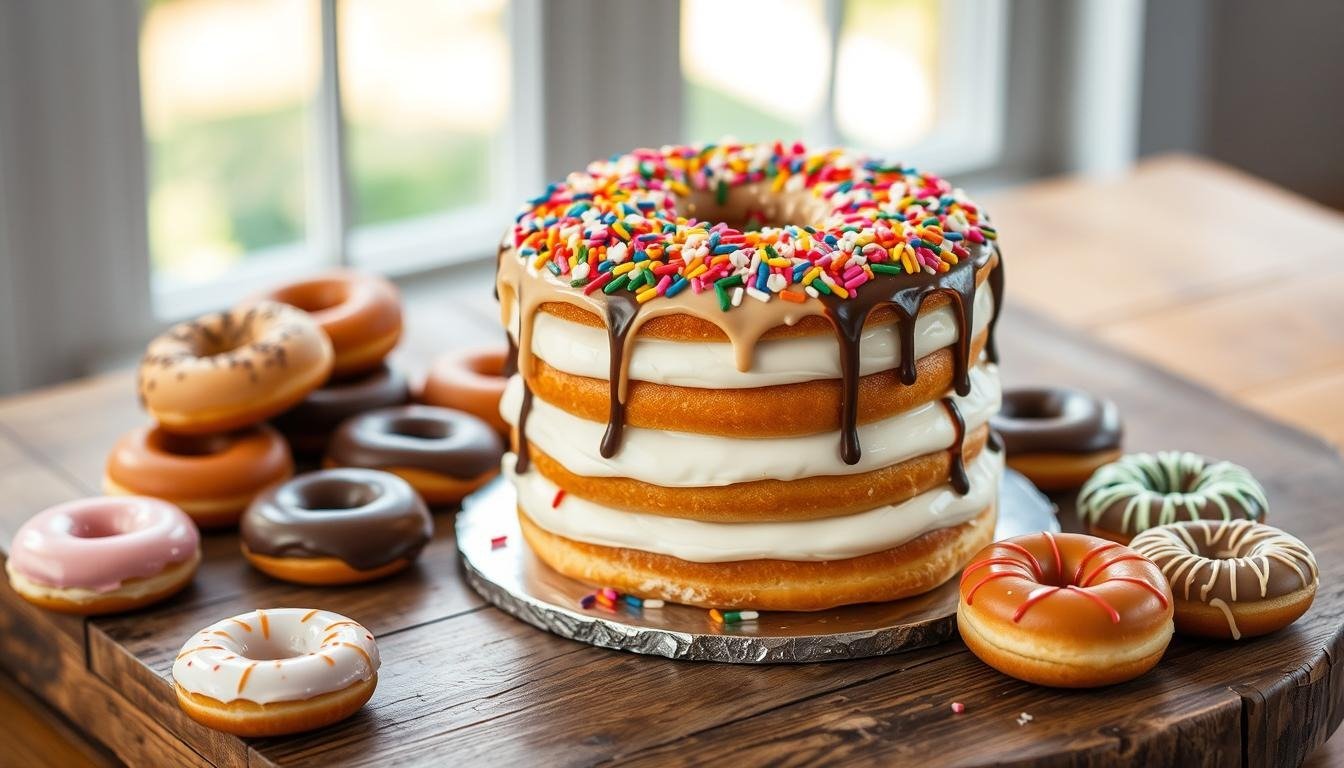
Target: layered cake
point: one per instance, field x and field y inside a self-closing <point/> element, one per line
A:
<point x="753" y="376"/>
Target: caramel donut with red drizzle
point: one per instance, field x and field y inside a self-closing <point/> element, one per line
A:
<point x="1232" y="578"/>
<point x="1065" y="610"/>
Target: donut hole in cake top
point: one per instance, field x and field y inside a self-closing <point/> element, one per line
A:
<point x="750" y="207"/>
<point x="335" y="495"/>
<point x="419" y="428"/>
<point x="188" y="446"/>
<point x="98" y="523"/>
<point x="274" y="648"/>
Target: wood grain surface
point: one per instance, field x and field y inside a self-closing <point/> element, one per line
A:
<point x="463" y="683"/>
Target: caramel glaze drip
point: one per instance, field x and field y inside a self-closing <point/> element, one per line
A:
<point x="745" y="327"/>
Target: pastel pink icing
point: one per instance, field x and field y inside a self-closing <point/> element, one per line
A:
<point x="101" y="542"/>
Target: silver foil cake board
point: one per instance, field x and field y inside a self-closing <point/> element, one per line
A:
<point x="508" y="575"/>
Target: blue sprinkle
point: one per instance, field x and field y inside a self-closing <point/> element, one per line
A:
<point x="677" y="287"/>
<point x="762" y="274"/>
<point x="722" y="249"/>
<point x="953" y="236"/>
<point x="604" y="266"/>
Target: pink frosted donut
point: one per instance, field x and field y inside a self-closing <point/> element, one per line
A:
<point x="103" y="555"/>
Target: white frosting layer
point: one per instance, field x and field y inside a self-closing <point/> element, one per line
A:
<point x="833" y="538"/>
<point x="684" y="459"/>
<point x="583" y="350"/>
<point x="279" y="654"/>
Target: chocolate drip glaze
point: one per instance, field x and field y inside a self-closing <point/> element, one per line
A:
<point x="995" y="290"/>
<point x="621" y="313"/>
<point x="524" y="450"/>
<point x="438" y="440"/>
<point x="906" y="294"/>
<point x="363" y="517"/>
<point x="957" y="473"/>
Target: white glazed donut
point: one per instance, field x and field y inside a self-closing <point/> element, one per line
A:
<point x="276" y="671"/>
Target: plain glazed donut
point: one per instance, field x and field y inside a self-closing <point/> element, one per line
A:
<point x="338" y="526"/>
<point x="1144" y="490"/>
<point x="233" y="369"/>
<point x="1057" y="436"/>
<point x="210" y="477"/>
<point x="276" y="671"/>
<point x="103" y="555"/>
<point x="1065" y="610"/>
<point x="444" y="454"/>
<point x="360" y="313"/>
<point x="308" y="425"/>
<point x="1232" y="578"/>
<point x="471" y="381"/>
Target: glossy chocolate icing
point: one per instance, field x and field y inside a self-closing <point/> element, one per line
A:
<point x="310" y="423"/>
<point x="362" y="517"/>
<point x="439" y="440"/>
<point x="1233" y="560"/>
<point x="1057" y="420"/>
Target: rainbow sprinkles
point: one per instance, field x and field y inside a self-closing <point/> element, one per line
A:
<point x="617" y="226"/>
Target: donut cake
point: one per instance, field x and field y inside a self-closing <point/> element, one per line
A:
<point x="752" y="376"/>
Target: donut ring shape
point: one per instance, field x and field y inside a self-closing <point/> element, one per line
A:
<point x="276" y="671"/>
<point x="1232" y="578"/>
<point x="233" y="369"/>
<point x="1065" y="610"/>
<point x="471" y="381"/>
<point x="211" y="477"/>
<point x="308" y="425"/>
<point x="103" y="555"/>
<point x="337" y="526"/>
<point x="1143" y="490"/>
<point x="1058" y="436"/>
<point x="444" y="454"/>
<point x="359" y="312"/>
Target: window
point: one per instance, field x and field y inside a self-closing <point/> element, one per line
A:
<point x="285" y="136"/>
<point x="288" y="135"/>
<point x="918" y="79"/>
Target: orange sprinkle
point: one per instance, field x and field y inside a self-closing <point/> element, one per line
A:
<point x="265" y="625"/>
<point x="330" y="661"/>
<point x="308" y="615"/>
<point x="222" y="633"/>
<point x="200" y="648"/>
<point x="243" y="624"/>
<point x="797" y="298"/>
<point x="246" y="672"/>
<point x="337" y="624"/>
<point x="362" y="652"/>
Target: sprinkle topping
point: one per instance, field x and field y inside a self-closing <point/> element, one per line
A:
<point x="617" y="227"/>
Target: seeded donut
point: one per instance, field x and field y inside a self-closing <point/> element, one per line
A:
<point x="233" y="369"/>
<point x="1144" y="490"/>
<point x="276" y="671"/>
<point x="1057" y="436"/>
<point x="1232" y="578"/>
<point x="359" y="312"/>
<point x="338" y="526"/>
<point x="211" y="477"/>
<point x="103" y="555"/>
<point x="1065" y="610"/>
<point x="444" y="454"/>
<point x="471" y="381"/>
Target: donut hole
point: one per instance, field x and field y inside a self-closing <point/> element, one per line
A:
<point x="273" y="649"/>
<point x="337" y="494"/>
<point x="315" y="295"/>
<point x="94" y="528"/>
<point x="420" y="428"/>
<point x="487" y="365"/>
<point x="1033" y="406"/>
<point x="189" y="445"/>
<point x="750" y="207"/>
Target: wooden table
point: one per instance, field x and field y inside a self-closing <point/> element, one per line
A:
<point x="462" y="681"/>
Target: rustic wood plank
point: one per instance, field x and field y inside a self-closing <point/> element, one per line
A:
<point x="53" y="666"/>
<point x="1308" y="401"/>
<point x="1093" y="251"/>
<point x="38" y="737"/>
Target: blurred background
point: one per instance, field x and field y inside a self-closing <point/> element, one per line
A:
<point x="163" y="158"/>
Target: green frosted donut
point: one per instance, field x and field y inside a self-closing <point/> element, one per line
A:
<point x="1144" y="490"/>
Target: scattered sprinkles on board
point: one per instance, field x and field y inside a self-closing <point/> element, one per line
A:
<point x="616" y="227"/>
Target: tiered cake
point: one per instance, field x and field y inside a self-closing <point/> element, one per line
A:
<point x="752" y="376"/>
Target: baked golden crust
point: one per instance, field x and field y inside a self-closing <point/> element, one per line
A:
<point x="758" y="412"/>
<point x="807" y="498"/>
<point x="910" y="569"/>
<point x="1060" y="471"/>
<point x="247" y="718"/>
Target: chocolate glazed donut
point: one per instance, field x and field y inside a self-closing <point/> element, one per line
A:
<point x="308" y="425"/>
<point x="444" y="454"/>
<point x="1058" y="436"/>
<point x="370" y="522"/>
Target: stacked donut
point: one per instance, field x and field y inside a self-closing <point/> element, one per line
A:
<point x="823" y="442"/>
